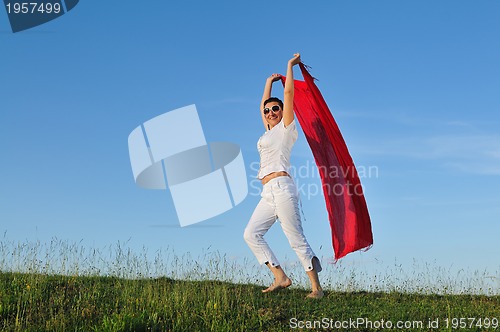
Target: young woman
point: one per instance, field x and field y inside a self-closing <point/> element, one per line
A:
<point x="279" y="194"/>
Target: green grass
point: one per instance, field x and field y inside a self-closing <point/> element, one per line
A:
<point x="61" y="286"/>
<point x="37" y="302"/>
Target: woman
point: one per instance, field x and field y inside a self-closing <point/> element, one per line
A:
<point x="279" y="195"/>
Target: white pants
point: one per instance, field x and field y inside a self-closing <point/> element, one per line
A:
<point x="279" y="201"/>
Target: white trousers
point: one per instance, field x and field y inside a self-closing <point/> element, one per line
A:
<point x="279" y="201"/>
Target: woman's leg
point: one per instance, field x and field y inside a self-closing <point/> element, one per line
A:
<point x="281" y="280"/>
<point x="287" y="209"/>
<point x="317" y="291"/>
<point x="262" y="219"/>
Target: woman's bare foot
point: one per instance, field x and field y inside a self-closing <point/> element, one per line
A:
<point x="316" y="294"/>
<point x="283" y="283"/>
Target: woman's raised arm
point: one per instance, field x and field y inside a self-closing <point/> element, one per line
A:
<point x="288" y="94"/>
<point x="267" y="94"/>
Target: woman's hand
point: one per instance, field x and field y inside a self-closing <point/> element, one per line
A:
<point x="295" y="60"/>
<point x="274" y="77"/>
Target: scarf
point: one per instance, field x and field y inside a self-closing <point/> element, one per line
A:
<point x="345" y="203"/>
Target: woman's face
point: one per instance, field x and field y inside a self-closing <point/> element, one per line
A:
<point x="275" y="113"/>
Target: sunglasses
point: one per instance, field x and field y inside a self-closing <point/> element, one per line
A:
<point x="275" y="109"/>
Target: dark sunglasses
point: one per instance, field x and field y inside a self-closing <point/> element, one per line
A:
<point x="275" y="109"/>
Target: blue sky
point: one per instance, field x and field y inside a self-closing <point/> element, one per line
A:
<point x="413" y="85"/>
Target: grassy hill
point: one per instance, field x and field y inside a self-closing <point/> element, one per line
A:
<point x="39" y="302"/>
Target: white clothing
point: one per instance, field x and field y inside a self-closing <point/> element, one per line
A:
<point x="275" y="147"/>
<point x="279" y="201"/>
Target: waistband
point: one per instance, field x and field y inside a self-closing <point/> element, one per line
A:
<point x="274" y="175"/>
<point x="286" y="178"/>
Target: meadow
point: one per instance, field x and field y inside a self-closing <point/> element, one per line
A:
<point x="61" y="286"/>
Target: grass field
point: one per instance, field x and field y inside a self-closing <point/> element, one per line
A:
<point x="61" y="287"/>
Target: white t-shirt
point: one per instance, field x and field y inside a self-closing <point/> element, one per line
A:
<point x="275" y="147"/>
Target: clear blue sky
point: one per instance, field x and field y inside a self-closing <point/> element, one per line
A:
<point x="414" y="86"/>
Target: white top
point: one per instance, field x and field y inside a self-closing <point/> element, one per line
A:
<point x="275" y="147"/>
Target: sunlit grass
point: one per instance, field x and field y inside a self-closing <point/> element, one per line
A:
<point x="61" y="286"/>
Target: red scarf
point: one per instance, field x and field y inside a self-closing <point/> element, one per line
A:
<point x="345" y="202"/>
